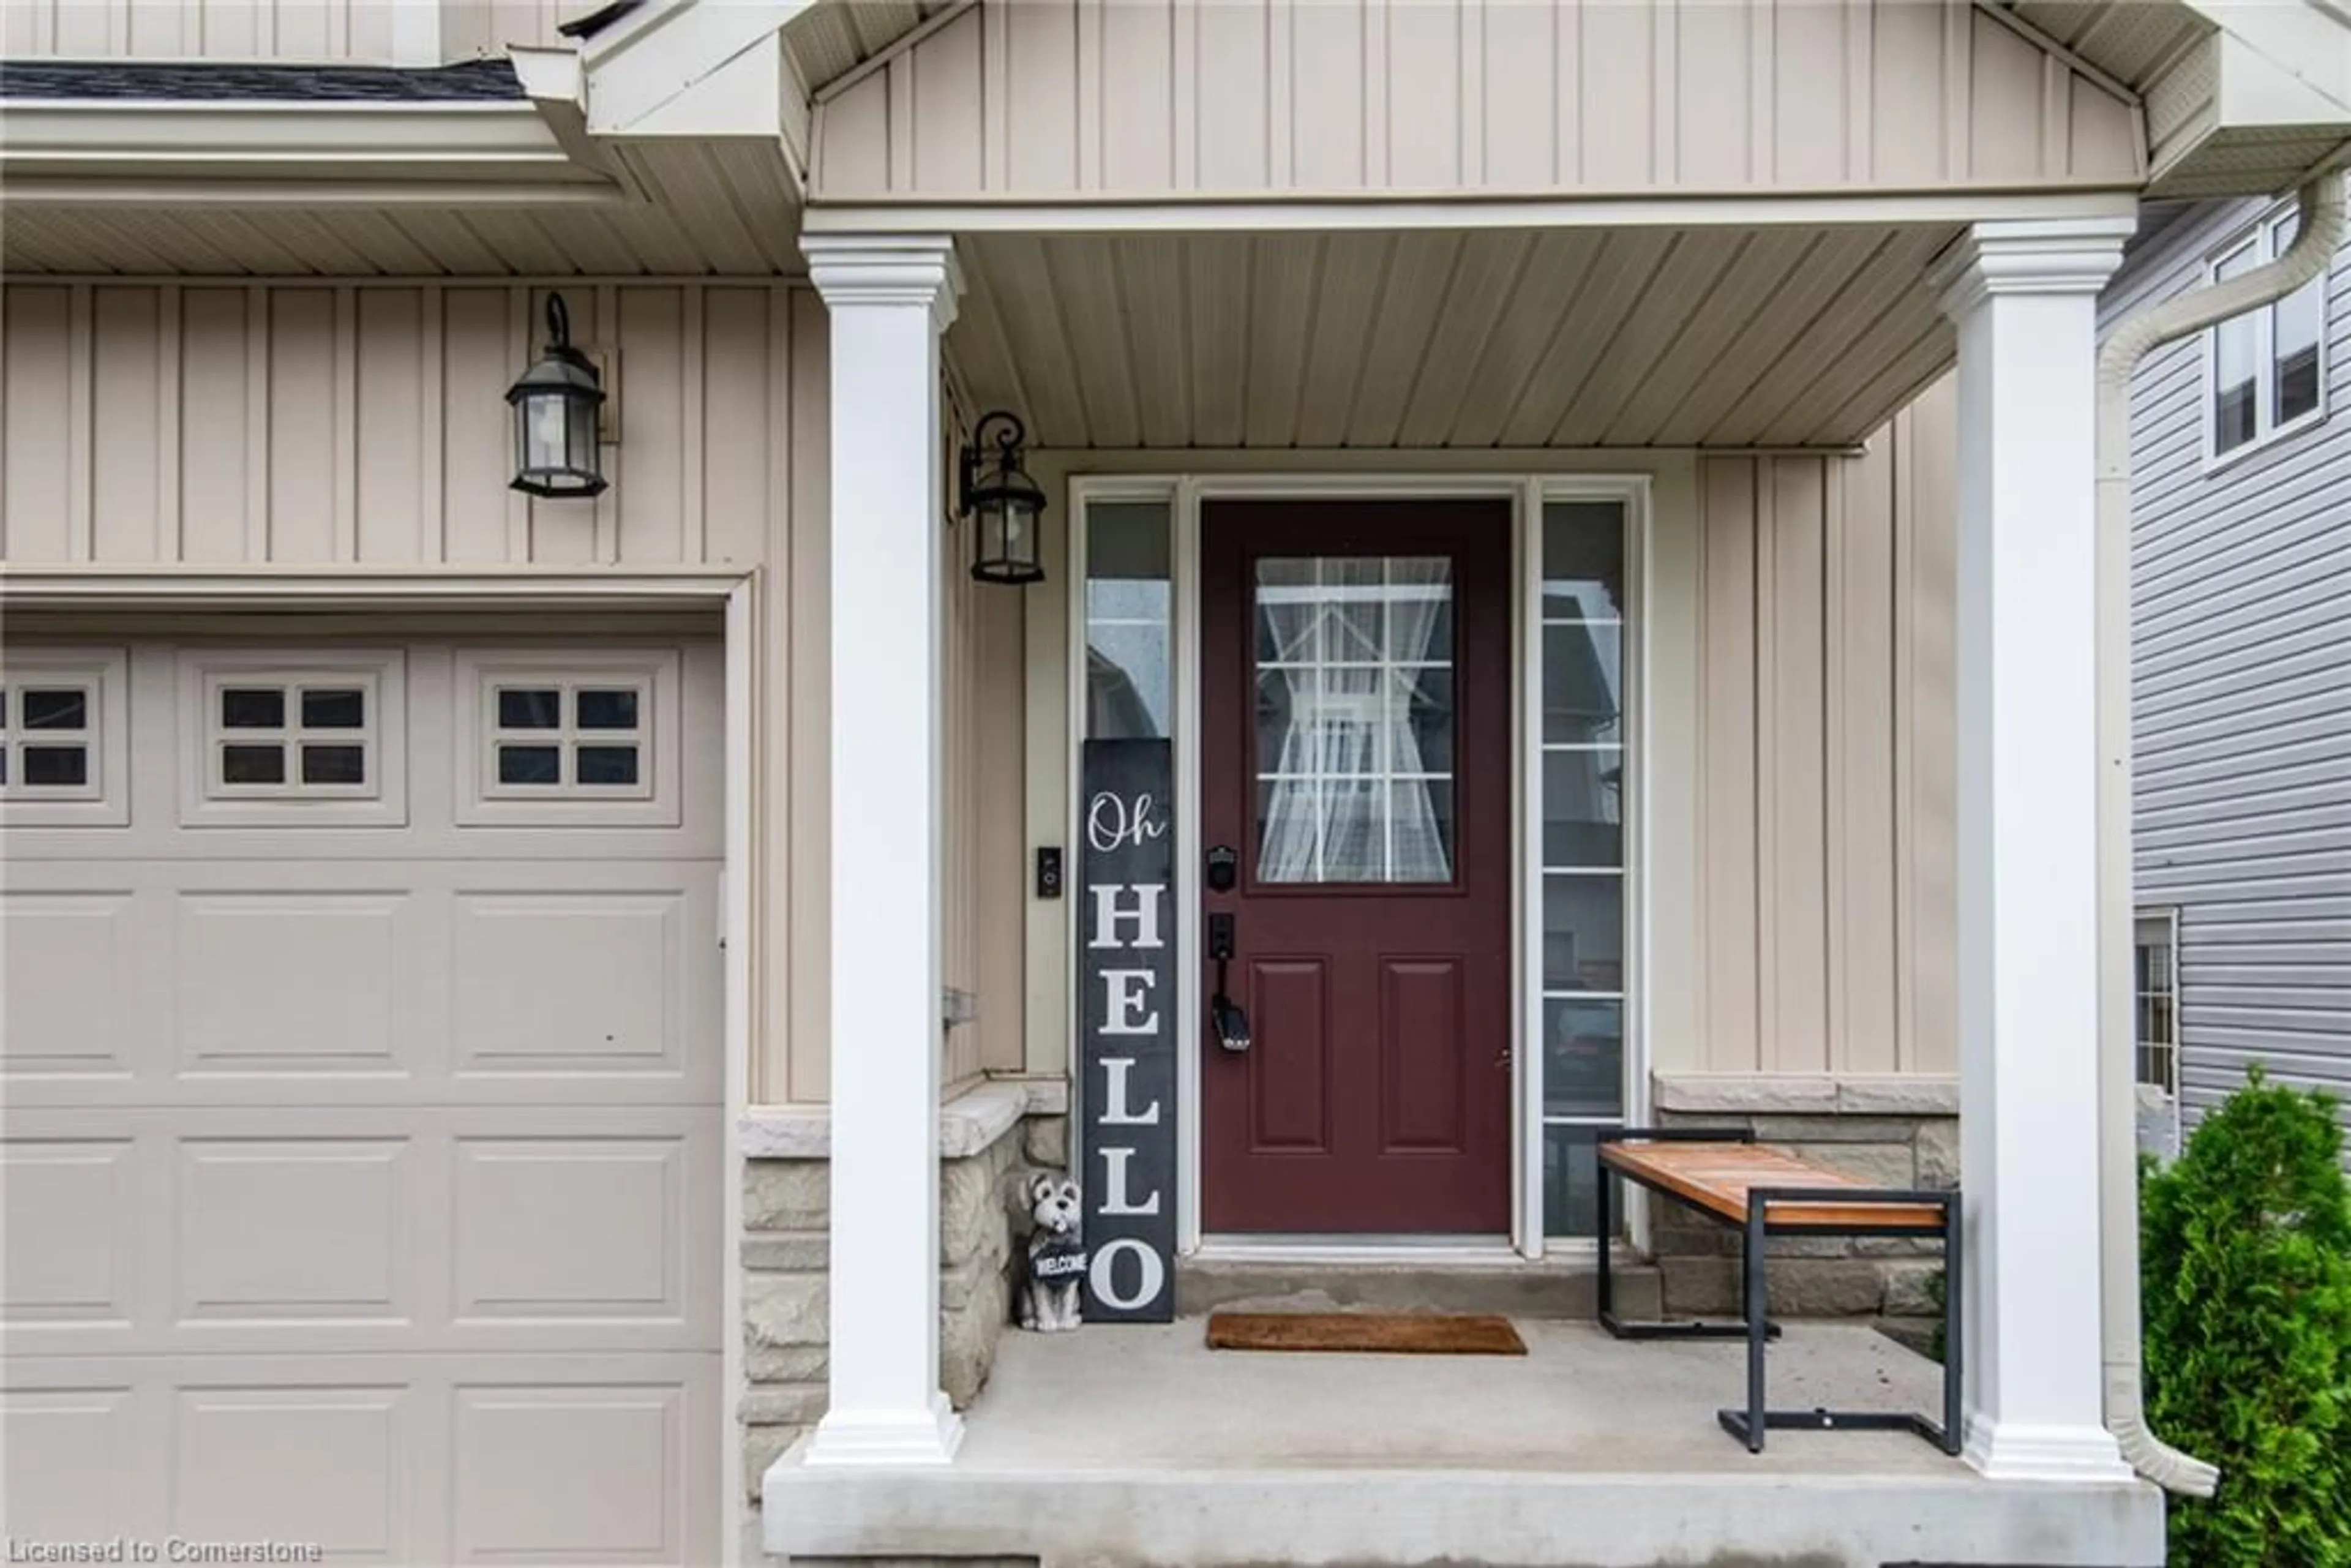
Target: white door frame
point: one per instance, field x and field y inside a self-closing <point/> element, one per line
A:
<point x="376" y="591"/>
<point x="1525" y="492"/>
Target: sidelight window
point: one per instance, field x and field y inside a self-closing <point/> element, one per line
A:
<point x="1130" y="612"/>
<point x="1580" y="833"/>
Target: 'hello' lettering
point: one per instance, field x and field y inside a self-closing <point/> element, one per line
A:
<point x="1127" y="1082"/>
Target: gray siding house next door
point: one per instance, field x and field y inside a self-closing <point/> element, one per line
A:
<point x="2240" y="468"/>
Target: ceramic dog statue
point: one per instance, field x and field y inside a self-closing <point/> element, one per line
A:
<point x="1049" y="1291"/>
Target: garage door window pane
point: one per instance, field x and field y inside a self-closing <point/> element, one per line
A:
<point x="608" y="764"/>
<point x="531" y="709"/>
<point x="601" y="709"/>
<point x="253" y="765"/>
<point x="334" y="765"/>
<point x="57" y="767"/>
<point x="253" y="707"/>
<point x="530" y="765"/>
<point x="54" y="709"/>
<point x="334" y="707"/>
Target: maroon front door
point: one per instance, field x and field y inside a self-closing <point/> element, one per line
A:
<point x="1356" y="748"/>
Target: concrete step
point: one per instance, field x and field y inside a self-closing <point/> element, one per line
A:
<point x="1554" y="1288"/>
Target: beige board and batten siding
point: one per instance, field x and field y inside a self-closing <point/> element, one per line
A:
<point x="366" y="426"/>
<point x="1055" y="98"/>
<point x="1826" y="806"/>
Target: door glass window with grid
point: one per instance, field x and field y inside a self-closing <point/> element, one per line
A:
<point x="2266" y="364"/>
<point x="1582" y="846"/>
<point x="1355" y="720"/>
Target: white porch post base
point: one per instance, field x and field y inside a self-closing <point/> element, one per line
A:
<point x="887" y="1437"/>
<point x="888" y="297"/>
<point x="2024" y="297"/>
<point x="2013" y="1453"/>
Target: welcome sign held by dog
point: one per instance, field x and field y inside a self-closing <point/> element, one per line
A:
<point x="1126" y="978"/>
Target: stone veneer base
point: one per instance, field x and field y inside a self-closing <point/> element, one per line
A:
<point x="1899" y="1131"/>
<point x="986" y="1136"/>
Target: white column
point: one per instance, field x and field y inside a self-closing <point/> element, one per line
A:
<point x="889" y="299"/>
<point x="2024" y="297"/>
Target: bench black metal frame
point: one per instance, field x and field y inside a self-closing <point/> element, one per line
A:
<point x="1605" y="1284"/>
<point x="1749" y="1423"/>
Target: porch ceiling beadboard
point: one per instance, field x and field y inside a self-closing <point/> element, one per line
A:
<point x="1735" y="337"/>
<point x="1054" y="97"/>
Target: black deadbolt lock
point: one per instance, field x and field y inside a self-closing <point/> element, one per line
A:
<point x="1224" y="869"/>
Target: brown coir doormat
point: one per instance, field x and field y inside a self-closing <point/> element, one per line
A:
<point x="1397" y="1333"/>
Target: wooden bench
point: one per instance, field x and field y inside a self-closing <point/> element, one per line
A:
<point x="1761" y="1192"/>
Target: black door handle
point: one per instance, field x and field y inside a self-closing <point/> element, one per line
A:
<point x="1225" y="1015"/>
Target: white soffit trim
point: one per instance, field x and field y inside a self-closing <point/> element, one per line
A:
<point x="1296" y="211"/>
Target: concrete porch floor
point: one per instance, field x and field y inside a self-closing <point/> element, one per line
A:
<point x="1139" y="1444"/>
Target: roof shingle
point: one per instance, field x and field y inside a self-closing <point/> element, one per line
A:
<point x="207" y="82"/>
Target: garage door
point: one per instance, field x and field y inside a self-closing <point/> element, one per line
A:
<point x="363" y="1087"/>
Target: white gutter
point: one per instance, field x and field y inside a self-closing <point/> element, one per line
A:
<point x="2320" y="232"/>
<point x="176" y="153"/>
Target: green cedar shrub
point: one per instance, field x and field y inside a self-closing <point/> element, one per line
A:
<point x="2246" y="1273"/>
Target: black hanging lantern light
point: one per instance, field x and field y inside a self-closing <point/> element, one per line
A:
<point x="999" y="497"/>
<point x="557" y="404"/>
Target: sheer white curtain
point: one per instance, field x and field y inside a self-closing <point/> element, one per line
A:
<point x="1291" y="611"/>
<point x="1417" y="595"/>
<point x="1337" y="631"/>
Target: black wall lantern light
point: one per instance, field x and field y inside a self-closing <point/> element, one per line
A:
<point x="557" y="404"/>
<point x="1001" y="498"/>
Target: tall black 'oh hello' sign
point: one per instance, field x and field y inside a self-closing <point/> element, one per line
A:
<point x="1126" y="1012"/>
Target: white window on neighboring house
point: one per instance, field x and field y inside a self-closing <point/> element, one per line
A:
<point x="2155" y="1010"/>
<point x="2266" y="369"/>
